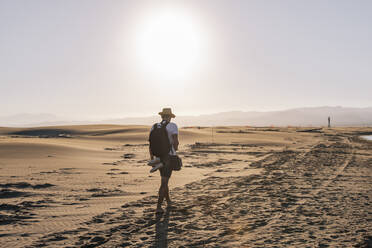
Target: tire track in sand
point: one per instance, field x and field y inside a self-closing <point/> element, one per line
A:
<point x="236" y="228"/>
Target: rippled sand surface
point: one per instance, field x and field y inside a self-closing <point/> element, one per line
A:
<point x="90" y="186"/>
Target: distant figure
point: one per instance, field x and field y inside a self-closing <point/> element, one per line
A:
<point x="329" y="121"/>
<point x="163" y="144"/>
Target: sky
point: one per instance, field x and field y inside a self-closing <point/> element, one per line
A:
<point x="87" y="59"/>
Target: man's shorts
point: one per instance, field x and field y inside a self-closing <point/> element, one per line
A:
<point x="166" y="170"/>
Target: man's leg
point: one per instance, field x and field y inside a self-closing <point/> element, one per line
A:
<point x="163" y="191"/>
<point x="167" y="194"/>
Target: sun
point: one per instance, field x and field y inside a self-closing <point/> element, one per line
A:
<point x="169" y="45"/>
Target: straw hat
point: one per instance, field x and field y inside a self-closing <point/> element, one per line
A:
<point x="167" y="112"/>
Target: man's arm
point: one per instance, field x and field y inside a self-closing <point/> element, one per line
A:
<point x="175" y="141"/>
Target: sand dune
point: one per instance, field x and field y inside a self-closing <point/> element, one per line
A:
<point x="88" y="186"/>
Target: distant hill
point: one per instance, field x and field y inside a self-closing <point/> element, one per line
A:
<point x="315" y="116"/>
<point x="26" y="119"/>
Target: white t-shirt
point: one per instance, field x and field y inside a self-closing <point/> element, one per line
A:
<point x="171" y="130"/>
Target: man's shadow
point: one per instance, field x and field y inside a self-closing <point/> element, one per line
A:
<point x="161" y="229"/>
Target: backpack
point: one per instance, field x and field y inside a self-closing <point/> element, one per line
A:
<point x="159" y="141"/>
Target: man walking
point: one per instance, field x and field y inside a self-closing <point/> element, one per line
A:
<point x="169" y="129"/>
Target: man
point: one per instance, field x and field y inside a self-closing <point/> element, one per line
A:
<point x="166" y="171"/>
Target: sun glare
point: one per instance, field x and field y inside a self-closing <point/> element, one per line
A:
<point x="169" y="45"/>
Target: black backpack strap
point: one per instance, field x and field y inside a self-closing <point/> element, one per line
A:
<point x="164" y="123"/>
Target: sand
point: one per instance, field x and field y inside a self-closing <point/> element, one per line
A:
<point x="89" y="186"/>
